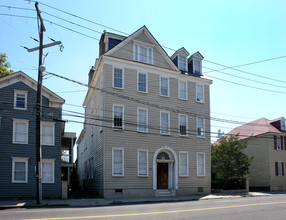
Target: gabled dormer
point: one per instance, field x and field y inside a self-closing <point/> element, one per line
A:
<point x="179" y="58"/>
<point x="279" y="123"/>
<point x="108" y="41"/>
<point x="195" y="64"/>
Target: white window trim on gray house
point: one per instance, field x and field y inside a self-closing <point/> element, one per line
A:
<point x="122" y="116"/>
<point x="116" y="172"/>
<point x="142" y="125"/>
<point x="200" y="93"/>
<point x="16" y="132"/>
<point x="186" y="124"/>
<point x="47" y="133"/>
<point x="200" y="127"/>
<point x="23" y="95"/>
<point x="182" y="92"/>
<point x="201" y="167"/>
<point x="197" y="66"/>
<point x="138" y="48"/>
<point x="48" y="176"/>
<point x="165" y="130"/>
<point x="140" y="83"/>
<point x="115" y="78"/>
<point x="142" y="163"/>
<point x="184" y="164"/>
<point x="164" y="88"/>
<point x="19" y="160"/>
<point x="182" y="62"/>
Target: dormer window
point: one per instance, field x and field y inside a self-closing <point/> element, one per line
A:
<point x="197" y="66"/>
<point x="283" y="124"/>
<point x="143" y="54"/>
<point x="182" y="63"/>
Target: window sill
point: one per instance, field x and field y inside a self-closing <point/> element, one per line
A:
<point x="144" y="132"/>
<point x="23" y="109"/>
<point x="181" y="135"/>
<point x="165" y="134"/>
<point x="142" y="176"/>
<point x="118" y="88"/>
<point x="183" y="99"/>
<point x="142" y="92"/>
<point x="184" y="176"/>
<point x="165" y="96"/>
<point x="201" y="102"/>
<point x="202" y="137"/>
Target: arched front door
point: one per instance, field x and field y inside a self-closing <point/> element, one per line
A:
<point x="165" y="169"/>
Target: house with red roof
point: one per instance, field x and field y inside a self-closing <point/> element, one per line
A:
<point x="266" y="141"/>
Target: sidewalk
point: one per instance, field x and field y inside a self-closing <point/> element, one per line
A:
<point x="6" y="204"/>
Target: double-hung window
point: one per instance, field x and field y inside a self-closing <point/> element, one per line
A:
<point x="142" y="82"/>
<point x="118" y="116"/>
<point x="20" y="99"/>
<point x="183" y="90"/>
<point x="182" y="63"/>
<point x="165" y="122"/>
<point x="184" y="168"/>
<point x="142" y="120"/>
<point x="143" y="54"/>
<point x="118" y="78"/>
<point x="20" y="131"/>
<point x="142" y="162"/>
<point x="201" y="164"/>
<point x="47" y="133"/>
<point x="200" y="127"/>
<point x="48" y="170"/>
<point x="279" y="168"/>
<point x="183" y="125"/>
<point x="164" y="86"/>
<point x="117" y="161"/>
<point x="197" y="66"/>
<point x="19" y="170"/>
<point x="200" y="93"/>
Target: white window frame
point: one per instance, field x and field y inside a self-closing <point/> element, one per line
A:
<point x="138" y="163"/>
<point x="168" y="87"/>
<point x="187" y="163"/>
<point x="283" y="124"/>
<point x="161" y="132"/>
<point x="138" y="57"/>
<point x="185" y="67"/>
<point x="204" y="129"/>
<point x="52" y="124"/>
<point x="121" y="106"/>
<point x="200" y="66"/>
<point x="138" y="82"/>
<point x="203" y="93"/>
<point x="179" y="123"/>
<point x="113" y="79"/>
<point x="138" y="119"/>
<point x="19" y="159"/>
<point x="52" y="161"/>
<point x="204" y="164"/>
<point x="21" y="92"/>
<point x="179" y="90"/>
<point x="113" y="168"/>
<point x="26" y="122"/>
<point x="280" y="168"/>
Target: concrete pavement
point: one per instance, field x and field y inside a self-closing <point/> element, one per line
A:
<point x="6" y="204"/>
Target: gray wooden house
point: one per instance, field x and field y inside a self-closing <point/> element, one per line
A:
<point x="147" y="128"/>
<point x="18" y="94"/>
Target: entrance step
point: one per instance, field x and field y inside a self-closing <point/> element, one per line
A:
<point x="165" y="192"/>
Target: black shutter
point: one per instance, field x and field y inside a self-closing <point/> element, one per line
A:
<point x="275" y="144"/>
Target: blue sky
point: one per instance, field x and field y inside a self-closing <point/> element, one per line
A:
<point x="226" y="32"/>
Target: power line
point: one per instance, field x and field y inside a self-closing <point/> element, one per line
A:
<point x="203" y="66"/>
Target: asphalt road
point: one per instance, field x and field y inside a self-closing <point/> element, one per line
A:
<point x="265" y="207"/>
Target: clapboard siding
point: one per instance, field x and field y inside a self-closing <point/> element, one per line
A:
<point x="100" y="145"/>
<point x="8" y="149"/>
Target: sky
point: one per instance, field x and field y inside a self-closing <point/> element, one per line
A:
<point x="229" y="33"/>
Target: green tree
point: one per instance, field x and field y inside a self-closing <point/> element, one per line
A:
<point x="4" y="65"/>
<point x="229" y="160"/>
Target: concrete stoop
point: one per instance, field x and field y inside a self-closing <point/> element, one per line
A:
<point x="165" y="192"/>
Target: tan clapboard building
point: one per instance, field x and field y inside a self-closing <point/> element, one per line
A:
<point x="266" y="141"/>
<point x="147" y="129"/>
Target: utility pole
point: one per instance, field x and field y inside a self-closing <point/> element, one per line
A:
<point x="39" y="102"/>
